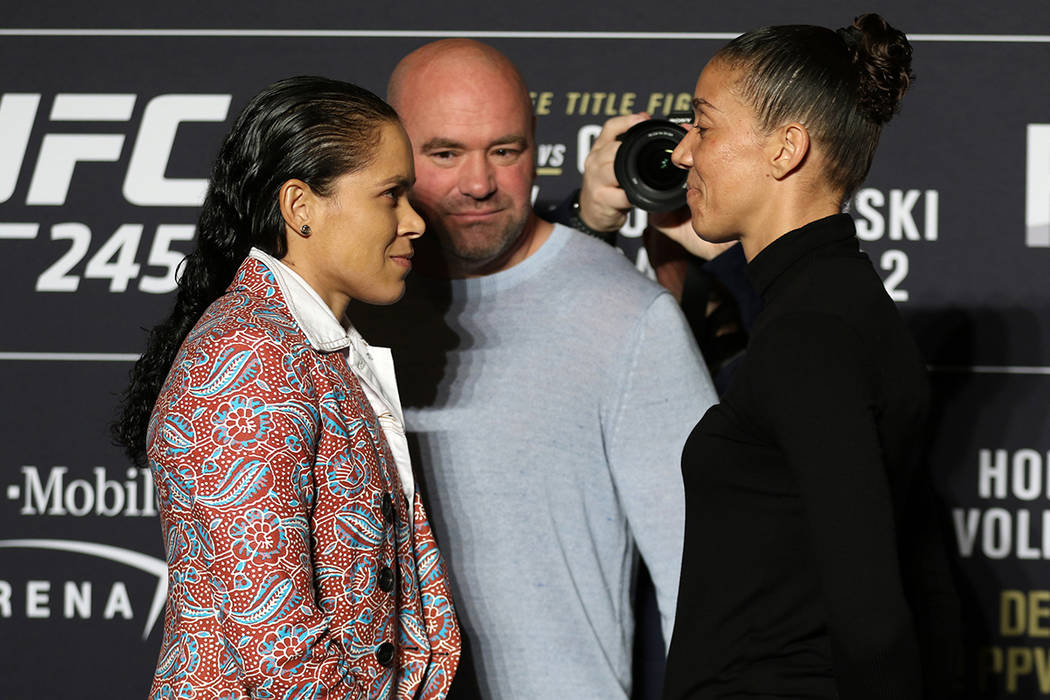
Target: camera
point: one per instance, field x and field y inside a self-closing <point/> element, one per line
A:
<point x="643" y="163"/>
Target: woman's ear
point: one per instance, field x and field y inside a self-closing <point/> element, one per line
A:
<point x="789" y="146"/>
<point x="297" y="201"/>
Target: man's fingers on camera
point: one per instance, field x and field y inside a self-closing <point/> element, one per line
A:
<point x="615" y="198"/>
<point x="603" y="208"/>
<point x="598" y="165"/>
<point x="617" y="125"/>
<point x="603" y="204"/>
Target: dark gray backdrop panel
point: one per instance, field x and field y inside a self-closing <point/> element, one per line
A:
<point x="954" y="160"/>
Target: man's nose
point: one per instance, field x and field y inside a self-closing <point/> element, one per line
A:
<point x="477" y="178"/>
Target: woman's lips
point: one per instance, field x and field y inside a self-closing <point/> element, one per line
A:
<point x="404" y="259"/>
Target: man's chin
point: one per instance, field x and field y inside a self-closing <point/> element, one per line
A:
<point x="478" y="243"/>
<point x="472" y="256"/>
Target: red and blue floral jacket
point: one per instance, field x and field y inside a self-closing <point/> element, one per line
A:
<point x="297" y="568"/>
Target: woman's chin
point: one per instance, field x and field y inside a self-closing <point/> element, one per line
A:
<point x="710" y="235"/>
<point x="386" y="297"/>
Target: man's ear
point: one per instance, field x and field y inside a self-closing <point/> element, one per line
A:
<point x="297" y="202"/>
<point x="788" y="148"/>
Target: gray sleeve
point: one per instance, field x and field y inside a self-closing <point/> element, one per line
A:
<point x="657" y="397"/>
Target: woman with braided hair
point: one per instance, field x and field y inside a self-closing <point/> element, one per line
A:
<point x="797" y="481"/>
<point x="300" y="559"/>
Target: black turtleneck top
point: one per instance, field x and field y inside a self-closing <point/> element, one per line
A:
<point x="795" y="484"/>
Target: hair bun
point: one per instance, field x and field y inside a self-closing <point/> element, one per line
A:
<point x="882" y="56"/>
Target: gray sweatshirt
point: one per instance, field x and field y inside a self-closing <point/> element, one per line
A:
<point x="547" y="407"/>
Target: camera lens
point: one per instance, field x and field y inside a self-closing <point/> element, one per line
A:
<point x="655" y="167"/>
<point x="643" y="164"/>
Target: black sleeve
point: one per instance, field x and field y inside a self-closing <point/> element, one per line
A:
<point x="564" y="213"/>
<point x="719" y="333"/>
<point x="730" y="269"/>
<point x="560" y="213"/>
<point x="722" y="334"/>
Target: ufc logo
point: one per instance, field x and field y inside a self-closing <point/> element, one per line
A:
<point x="144" y="182"/>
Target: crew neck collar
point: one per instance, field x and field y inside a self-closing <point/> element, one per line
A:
<point x="523" y="271"/>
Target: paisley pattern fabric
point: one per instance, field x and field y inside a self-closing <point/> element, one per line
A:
<point x="293" y="570"/>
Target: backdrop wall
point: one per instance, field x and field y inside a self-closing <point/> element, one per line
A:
<point x="110" y="115"/>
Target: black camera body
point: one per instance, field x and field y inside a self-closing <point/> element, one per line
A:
<point x="643" y="163"/>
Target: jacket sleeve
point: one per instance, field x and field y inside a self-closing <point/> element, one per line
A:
<point x="661" y="390"/>
<point x="250" y="414"/>
<point x="820" y="407"/>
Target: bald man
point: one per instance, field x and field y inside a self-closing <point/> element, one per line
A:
<point x="549" y="389"/>
<point x="469" y="116"/>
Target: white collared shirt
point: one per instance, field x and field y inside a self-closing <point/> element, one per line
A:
<point x="374" y="367"/>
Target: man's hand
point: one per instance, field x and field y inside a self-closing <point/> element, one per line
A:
<point x="603" y="203"/>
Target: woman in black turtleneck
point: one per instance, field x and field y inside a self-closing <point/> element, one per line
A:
<point x="796" y="481"/>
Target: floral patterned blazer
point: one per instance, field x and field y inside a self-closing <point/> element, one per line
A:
<point x="297" y="568"/>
